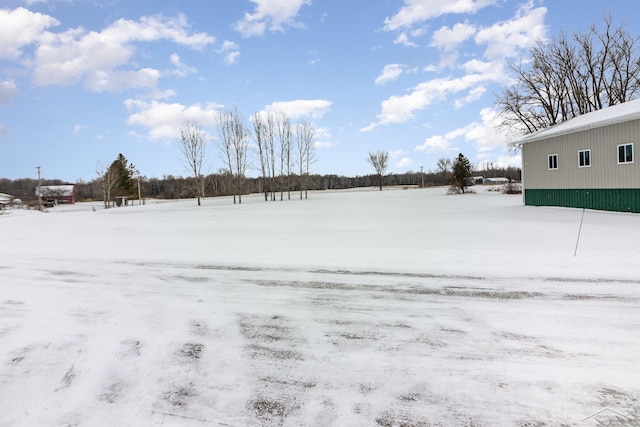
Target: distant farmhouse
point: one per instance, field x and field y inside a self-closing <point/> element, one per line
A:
<point x="56" y="194"/>
<point x="496" y="180"/>
<point x="5" y="200"/>
<point x="586" y="162"/>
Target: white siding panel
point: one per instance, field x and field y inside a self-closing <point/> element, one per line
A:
<point x="605" y="172"/>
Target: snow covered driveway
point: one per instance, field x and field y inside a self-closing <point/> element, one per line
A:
<point x="396" y="308"/>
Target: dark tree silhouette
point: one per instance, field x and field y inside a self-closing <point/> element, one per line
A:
<point x="379" y="161"/>
<point x="571" y="75"/>
<point x="461" y="176"/>
<point x="193" y="143"/>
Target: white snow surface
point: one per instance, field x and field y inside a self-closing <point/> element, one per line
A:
<point x="352" y="308"/>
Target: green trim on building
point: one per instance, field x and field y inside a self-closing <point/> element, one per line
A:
<point x="605" y="199"/>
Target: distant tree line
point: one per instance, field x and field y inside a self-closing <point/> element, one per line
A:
<point x="222" y="183"/>
<point x="456" y="172"/>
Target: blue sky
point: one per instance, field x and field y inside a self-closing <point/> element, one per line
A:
<point x="84" y="80"/>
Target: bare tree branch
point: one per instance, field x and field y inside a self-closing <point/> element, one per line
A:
<point x="193" y="143"/>
<point x="569" y="76"/>
<point x="379" y="161"/>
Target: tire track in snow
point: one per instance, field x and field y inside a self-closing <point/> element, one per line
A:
<point x="275" y="350"/>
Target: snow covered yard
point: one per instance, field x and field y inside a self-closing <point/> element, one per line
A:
<point x="393" y="308"/>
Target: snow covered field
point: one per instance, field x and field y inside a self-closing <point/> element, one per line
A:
<point x="358" y="308"/>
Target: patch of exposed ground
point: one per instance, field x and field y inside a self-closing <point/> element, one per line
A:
<point x="274" y="350"/>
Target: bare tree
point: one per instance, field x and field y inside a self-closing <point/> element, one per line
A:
<point x="240" y="148"/>
<point x="270" y="133"/>
<point x="284" y="136"/>
<point x="224" y="123"/>
<point x="109" y="182"/>
<point x="233" y="145"/>
<point x="305" y="151"/>
<point x="379" y="161"/>
<point x="260" y="137"/>
<point x="310" y="157"/>
<point x="444" y="168"/>
<point x="572" y="75"/>
<point x="193" y="143"/>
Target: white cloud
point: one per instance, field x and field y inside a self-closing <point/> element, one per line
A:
<point x="390" y="73"/>
<point x="403" y="39"/>
<point x="314" y="108"/>
<point x="77" y="129"/>
<point x="231" y="58"/>
<point x="399" y="109"/>
<point x="19" y="28"/>
<point x="116" y="81"/>
<point x="435" y="144"/>
<point x="8" y="91"/>
<point x="163" y="120"/>
<point x="505" y="39"/>
<point x="403" y="163"/>
<point x="417" y="11"/>
<point x="323" y="144"/>
<point x="228" y="45"/>
<point x="484" y="135"/>
<point x="270" y="15"/>
<point x="448" y="60"/>
<point x="473" y="95"/>
<point x="152" y="28"/>
<point x="3" y="130"/>
<point x="160" y="94"/>
<point x="394" y="154"/>
<point x="449" y="38"/>
<point x="483" y="67"/>
<point x="97" y="58"/>
<point x="322" y="138"/>
<point x="181" y="69"/>
<point x="502" y="40"/>
<point x="313" y="54"/>
<point x="231" y="52"/>
<point x="508" y="160"/>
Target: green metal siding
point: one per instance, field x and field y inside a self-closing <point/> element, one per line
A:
<point x="619" y="200"/>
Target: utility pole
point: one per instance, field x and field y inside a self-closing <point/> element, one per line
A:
<point x="39" y="190"/>
<point x="421" y="177"/>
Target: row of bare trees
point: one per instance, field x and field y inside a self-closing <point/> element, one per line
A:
<point x="280" y="147"/>
<point x="572" y="75"/>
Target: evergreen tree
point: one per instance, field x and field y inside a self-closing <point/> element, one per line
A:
<point x="123" y="173"/>
<point x="461" y="177"/>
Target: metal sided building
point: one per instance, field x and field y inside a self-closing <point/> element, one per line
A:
<point x="586" y="162"/>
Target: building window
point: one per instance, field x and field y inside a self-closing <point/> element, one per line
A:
<point x="584" y="158"/>
<point x="553" y="161"/>
<point x="625" y="153"/>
